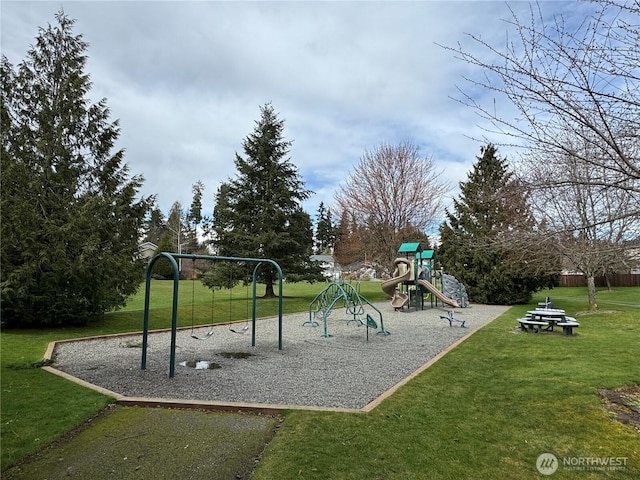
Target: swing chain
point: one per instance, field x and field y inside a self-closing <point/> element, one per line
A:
<point x="245" y="327"/>
<point x="193" y="296"/>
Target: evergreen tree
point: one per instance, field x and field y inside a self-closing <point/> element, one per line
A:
<point x="325" y="230"/>
<point x="70" y="219"/>
<point x="162" y="269"/>
<point x="155" y="226"/>
<point x="195" y="219"/>
<point x="490" y="207"/>
<point x="258" y="213"/>
<point x="195" y="210"/>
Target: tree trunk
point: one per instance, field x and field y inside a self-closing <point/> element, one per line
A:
<point x="591" y="288"/>
<point x="608" y="282"/>
<point x="269" y="293"/>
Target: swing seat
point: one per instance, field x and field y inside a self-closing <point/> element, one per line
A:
<point x="244" y="328"/>
<point x="208" y="334"/>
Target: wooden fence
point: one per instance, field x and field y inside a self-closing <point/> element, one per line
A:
<point x="615" y="280"/>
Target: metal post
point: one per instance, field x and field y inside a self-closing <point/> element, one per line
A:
<point x="253" y="305"/>
<point x="174" y="312"/>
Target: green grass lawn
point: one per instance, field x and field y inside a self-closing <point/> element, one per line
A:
<point x="487" y="409"/>
<point x="37" y="407"/>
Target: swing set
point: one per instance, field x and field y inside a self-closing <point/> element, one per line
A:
<point x="174" y="310"/>
<point x="241" y="331"/>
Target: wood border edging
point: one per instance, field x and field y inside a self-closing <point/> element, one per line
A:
<point x="382" y="397"/>
<point x="258" y="408"/>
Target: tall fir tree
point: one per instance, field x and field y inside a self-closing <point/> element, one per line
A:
<point x="196" y="221"/>
<point x="259" y="213"/>
<point x="325" y="230"/>
<point x="155" y="226"/>
<point x="490" y="208"/>
<point x="162" y="268"/>
<point x="70" y="218"/>
<point x="194" y="217"/>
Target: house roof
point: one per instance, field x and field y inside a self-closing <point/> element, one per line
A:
<point x="147" y="246"/>
<point x="322" y="258"/>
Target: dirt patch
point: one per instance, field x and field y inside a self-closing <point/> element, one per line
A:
<point x="624" y="404"/>
<point x="236" y="354"/>
<point x="154" y="444"/>
<point x="595" y="312"/>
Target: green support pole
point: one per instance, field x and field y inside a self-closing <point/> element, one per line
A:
<point x="253" y="305"/>
<point x="279" y="307"/>
<point x="174" y="310"/>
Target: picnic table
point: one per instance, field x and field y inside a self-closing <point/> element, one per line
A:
<point x="548" y="318"/>
<point x="552" y="316"/>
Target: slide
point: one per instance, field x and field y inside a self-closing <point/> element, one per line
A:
<point x="389" y="286"/>
<point x="444" y="299"/>
<point x="399" y="300"/>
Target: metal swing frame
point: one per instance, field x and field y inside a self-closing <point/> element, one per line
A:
<point x="174" y="310"/>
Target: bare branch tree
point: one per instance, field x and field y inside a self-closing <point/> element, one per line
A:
<point x="576" y="91"/>
<point x="568" y="81"/>
<point x="393" y="193"/>
<point x="593" y="230"/>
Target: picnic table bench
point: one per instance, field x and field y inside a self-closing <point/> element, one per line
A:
<point x="547" y="319"/>
<point x="552" y="316"/>
<point x="527" y="324"/>
<point x="568" y="325"/>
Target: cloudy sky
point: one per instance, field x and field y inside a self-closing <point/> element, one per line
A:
<point x="187" y="79"/>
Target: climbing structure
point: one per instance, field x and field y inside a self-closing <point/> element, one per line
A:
<point x="343" y="295"/>
<point x="452" y="288"/>
<point x="412" y="278"/>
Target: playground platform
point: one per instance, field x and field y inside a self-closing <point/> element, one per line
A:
<point x="345" y="372"/>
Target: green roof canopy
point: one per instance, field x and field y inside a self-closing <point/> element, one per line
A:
<point x="426" y="255"/>
<point x="410" y="248"/>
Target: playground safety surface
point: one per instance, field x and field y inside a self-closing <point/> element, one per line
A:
<point x="342" y="372"/>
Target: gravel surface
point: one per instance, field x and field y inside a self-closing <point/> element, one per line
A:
<point x="343" y="371"/>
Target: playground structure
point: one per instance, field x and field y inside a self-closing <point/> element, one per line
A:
<point x="452" y="288"/>
<point x="335" y="293"/>
<point x="174" y="310"/>
<point x="412" y="279"/>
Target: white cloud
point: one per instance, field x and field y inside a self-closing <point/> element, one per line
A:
<point x="186" y="80"/>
